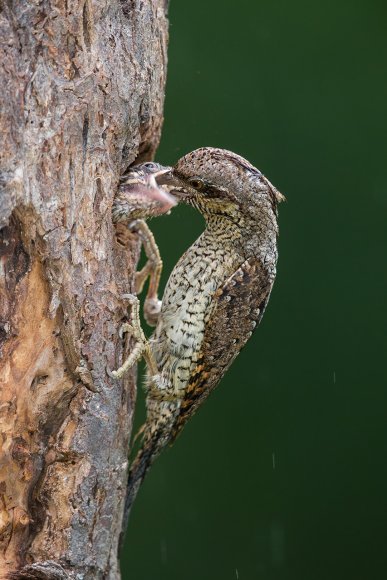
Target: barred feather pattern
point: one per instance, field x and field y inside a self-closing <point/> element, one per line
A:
<point x="215" y="297"/>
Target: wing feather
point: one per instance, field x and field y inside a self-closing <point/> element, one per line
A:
<point x="238" y="308"/>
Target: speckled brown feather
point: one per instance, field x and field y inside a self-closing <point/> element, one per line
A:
<point x="215" y="296"/>
<point x="238" y="308"/>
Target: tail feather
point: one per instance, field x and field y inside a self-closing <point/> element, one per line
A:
<point x="137" y="472"/>
<point x="156" y="434"/>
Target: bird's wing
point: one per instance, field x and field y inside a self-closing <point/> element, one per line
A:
<point x="238" y="309"/>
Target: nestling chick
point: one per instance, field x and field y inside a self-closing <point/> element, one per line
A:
<point x="138" y="198"/>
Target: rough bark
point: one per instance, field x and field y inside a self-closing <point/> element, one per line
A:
<point x="82" y="96"/>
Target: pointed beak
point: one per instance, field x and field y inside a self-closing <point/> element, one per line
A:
<point x="171" y="183"/>
<point x="158" y="194"/>
<point x="164" y="176"/>
<point x="164" y="171"/>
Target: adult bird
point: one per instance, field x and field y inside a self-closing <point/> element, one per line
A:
<point x="215" y="297"/>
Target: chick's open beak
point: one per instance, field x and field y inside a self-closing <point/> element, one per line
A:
<point x="171" y="183"/>
<point x="159" y="194"/>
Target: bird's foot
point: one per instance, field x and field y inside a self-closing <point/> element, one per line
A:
<point x="141" y="347"/>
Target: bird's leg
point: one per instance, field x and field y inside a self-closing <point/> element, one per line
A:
<point x="141" y="276"/>
<point x="141" y="348"/>
<point x="152" y="268"/>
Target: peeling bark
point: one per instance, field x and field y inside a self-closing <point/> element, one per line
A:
<point x="83" y="90"/>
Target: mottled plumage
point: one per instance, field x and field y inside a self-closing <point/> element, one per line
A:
<point x="215" y="296"/>
<point x="236" y="312"/>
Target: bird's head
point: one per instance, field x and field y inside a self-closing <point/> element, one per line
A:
<point x="219" y="182"/>
<point x="139" y="196"/>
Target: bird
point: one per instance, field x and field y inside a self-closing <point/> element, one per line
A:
<point x="137" y="199"/>
<point x="215" y="296"/>
<point x="139" y="196"/>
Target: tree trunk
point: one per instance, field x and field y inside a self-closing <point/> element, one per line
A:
<point x="83" y="90"/>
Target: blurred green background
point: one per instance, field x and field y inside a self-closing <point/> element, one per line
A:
<point x="282" y="474"/>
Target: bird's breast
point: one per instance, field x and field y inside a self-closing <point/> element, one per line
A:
<point x="187" y="306"/>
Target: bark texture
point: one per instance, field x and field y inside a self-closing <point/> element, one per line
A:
<point x="82" y="97"/>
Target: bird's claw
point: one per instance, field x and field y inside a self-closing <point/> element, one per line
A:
<point x="133" y="226"/>
<point x="111" y="374"/>
<point x="126" y="327"/>
<point x="131" y="298"/>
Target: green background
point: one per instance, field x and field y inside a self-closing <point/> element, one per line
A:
<point x="282" y="474"/>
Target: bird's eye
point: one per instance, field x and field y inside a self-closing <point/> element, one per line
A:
<point x="150" y="165"/>
<point x="196" y="182"/>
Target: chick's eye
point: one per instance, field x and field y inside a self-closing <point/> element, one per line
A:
<point x="196" y="182"/>
<point x="150" y="165"/>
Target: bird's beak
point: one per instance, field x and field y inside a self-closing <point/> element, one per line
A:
<point x="159" y="194"/>
<point x="158" y="174"/>
<point x="171" y="183"/>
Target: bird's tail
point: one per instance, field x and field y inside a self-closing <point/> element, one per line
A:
<point x="149" y="451"/>
<point x="156" y="434"/>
